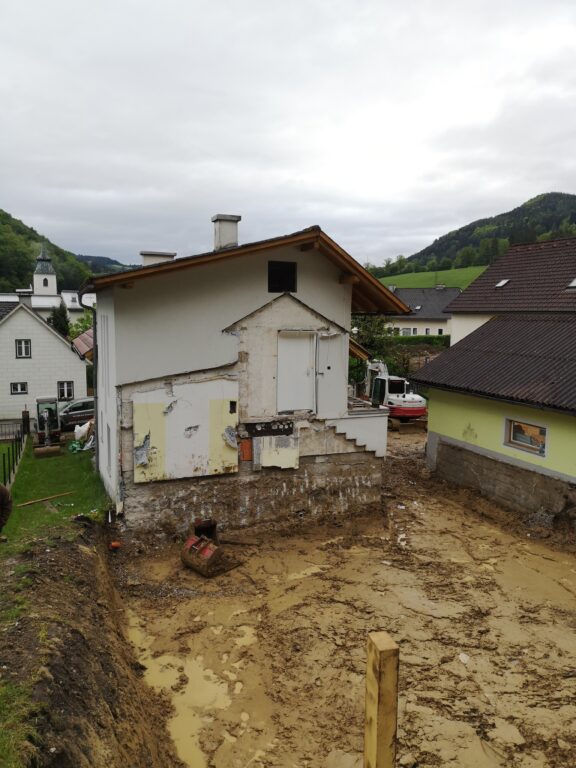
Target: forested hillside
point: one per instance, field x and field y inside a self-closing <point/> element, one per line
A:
<point x="546" y="217"/>
<point x="19" y="247"/>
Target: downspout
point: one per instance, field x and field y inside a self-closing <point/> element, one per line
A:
<point x="94" y="379"/>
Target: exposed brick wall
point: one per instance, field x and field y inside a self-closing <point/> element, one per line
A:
<point x="513" y="487"/>
<point x="322" y="486"/>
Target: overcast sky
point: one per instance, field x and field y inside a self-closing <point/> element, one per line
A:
<point x="126" y="124"/>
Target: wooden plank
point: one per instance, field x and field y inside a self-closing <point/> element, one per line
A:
<point x="46" y="498"/>
<point x="381" y="701"/>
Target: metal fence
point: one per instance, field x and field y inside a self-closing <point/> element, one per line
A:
<point x="12" y="441"/>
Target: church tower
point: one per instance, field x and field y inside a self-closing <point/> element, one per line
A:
<point x="44" y="275"/>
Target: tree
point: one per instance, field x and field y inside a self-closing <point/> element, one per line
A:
<point x="82" y="324"/>
<point x="445" y="264"/>
<point x="59" y="319"/>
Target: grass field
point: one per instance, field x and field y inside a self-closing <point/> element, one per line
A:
<point x="451" y="278"/>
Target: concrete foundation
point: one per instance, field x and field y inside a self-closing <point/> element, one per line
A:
<point x="538" y="498"/>
<point x="337" y="484"/>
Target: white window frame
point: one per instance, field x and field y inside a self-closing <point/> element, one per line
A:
<point x="18" y="387"/>
<point x="440" y="331"/>
<point x="427" y="331"/>
<point x="64" y="386"/>
<point x="23" y="348"/>
<point x="405" y="332"/>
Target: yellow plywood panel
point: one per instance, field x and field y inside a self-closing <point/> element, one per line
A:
<point x="149" y="442"/>
<point x="223" y="453"/>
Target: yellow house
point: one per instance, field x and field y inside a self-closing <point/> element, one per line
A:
<point x="502" y="413"/>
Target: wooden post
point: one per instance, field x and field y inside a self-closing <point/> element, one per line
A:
<point x="381" y="701"/>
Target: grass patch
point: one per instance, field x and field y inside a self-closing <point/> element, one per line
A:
<point x="38" y="478"/>
<point x="451" y="278"/>
<point x="16" y="717"/>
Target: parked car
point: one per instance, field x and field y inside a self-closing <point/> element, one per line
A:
<point x="77" y="412"/>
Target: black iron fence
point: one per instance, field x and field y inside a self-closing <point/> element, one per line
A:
<point x="12" y="441"/>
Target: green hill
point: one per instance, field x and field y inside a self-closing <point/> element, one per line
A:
<point x="451" y="278"/>
<point x="99" y="265"/>
<point x="19" y="247"/>
<point x="546" y="217"/>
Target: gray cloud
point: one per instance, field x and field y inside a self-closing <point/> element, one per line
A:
<point x="126" y="125"/>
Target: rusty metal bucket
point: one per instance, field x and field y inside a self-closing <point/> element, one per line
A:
<point x="202" y="555"/>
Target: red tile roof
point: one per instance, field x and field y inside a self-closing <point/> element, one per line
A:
<point x="537" y="275"/>
<point x="526" y="359"/>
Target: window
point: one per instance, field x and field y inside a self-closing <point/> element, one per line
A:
<point x="414" y="331"/>
<point x="427" y="331"/>
<point x="45" y="282"/>
<point x="440" y="331"/>
<point x="526" y="437"/>
<point x="405" y="331"/>
<point x="65" y="390"/>
<point x="19" y="388"/>
<point x="23" y="348"/>
<point x="281" y="277"/>
<point x="502" y="283"/>
<point x="572" y="284"/>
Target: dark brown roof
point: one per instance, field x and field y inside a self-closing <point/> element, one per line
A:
<point x="526" y="359"/>
<point x="369" y="296"/>
<point x="538" y="278"/>
<point x="84" y="344"/>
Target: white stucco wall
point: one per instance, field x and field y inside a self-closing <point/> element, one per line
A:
<point x="422" y="325"/>
<point x="173" y="323"/>
<point x="258" y="346"/>
<point x="108" y="438"/>
<point x="52" y="361"/>
<point x="463" y="324"/>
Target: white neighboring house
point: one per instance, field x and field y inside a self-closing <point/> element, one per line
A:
<point x="222" y="382"/>
<point x="35" y="361"/>
<point x="428" y="315"/>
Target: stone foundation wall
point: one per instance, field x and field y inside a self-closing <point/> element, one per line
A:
<point x="338" y="484"/>
<point x="538" y="498"/>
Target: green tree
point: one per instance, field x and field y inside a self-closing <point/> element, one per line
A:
<point x="59" y="319"/>
<point x="82" y="324"/>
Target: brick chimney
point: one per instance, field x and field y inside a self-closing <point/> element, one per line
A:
<point x="225" y="231"/>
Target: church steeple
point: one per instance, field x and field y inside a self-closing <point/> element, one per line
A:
<point x="44" y="275"/>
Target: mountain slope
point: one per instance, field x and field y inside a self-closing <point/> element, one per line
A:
<point x="19" y="246"/>
<point x="545" y="217"/>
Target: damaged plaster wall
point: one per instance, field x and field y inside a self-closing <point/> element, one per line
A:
<point x="108" y="438"/>
<point x="258" y="358"/>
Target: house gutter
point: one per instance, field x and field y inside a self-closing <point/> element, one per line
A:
<point x="84" y="290"/>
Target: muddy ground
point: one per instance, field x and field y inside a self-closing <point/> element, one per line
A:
<point x="265" y="665"/>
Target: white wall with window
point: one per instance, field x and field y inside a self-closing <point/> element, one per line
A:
<point x="35" y="362"/>
<point x="413" y="326"/>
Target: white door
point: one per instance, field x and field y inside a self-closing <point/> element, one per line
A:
<point x="332" y="375"/>
<point x="296" y="384"/>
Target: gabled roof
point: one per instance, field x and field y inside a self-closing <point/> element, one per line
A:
<point x="23" y="308"/>
<point x="527" y="278"/>
<point x="526" y="359"/>
<point x="369" y="296"/>
<point x="283" y="297"/>
<point x="432" y="301"/>
<point x="84" y="344"/>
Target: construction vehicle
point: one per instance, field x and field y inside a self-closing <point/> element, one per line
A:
<point x="393" y="392"/>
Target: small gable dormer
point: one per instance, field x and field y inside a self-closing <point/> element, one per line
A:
<point x="44" y="275"/>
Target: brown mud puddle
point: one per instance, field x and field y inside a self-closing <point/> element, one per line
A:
<point x="265" y="664"/>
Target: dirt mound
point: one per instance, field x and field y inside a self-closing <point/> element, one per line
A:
<point x="92" y="708"/>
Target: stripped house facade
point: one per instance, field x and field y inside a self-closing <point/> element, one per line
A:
<point x="502" y="400"/>
<point x="222" y="383"/>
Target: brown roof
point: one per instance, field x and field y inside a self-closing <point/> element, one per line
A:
<point x="369" y="296"/>
<point x="538" y="277"/>
<point x="526" y="359"/>
<point x="84" y="343"/>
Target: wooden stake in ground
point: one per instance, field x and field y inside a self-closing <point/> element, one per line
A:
<point x="46" y="498"/>
<point x="381" y="701"/>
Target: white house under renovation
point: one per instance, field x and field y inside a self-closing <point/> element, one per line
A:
<point x="222" y="382"/>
